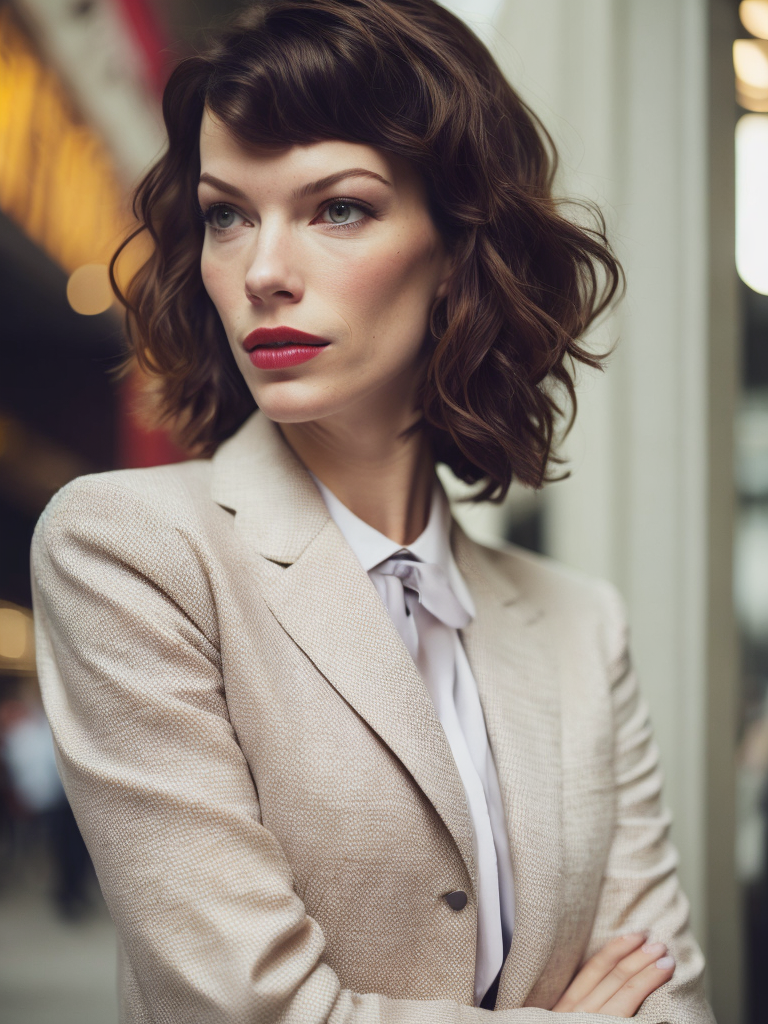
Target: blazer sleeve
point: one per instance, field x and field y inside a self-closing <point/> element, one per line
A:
<point x="201" y="893"/>
<point x="640" y="887"/>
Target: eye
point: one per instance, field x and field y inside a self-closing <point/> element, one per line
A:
<point x="220" y="218"/>
<point x="343" y="213"/>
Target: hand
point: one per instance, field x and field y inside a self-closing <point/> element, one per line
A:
<point x="618" y="978"/>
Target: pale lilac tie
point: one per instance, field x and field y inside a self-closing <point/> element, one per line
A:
<point x="431" y="586"/>
<point x="426" y="612"/>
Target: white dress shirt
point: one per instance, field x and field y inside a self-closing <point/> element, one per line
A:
<point x="439" y="655"/>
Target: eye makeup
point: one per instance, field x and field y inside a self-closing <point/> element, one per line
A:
<point x="216" y="210"/>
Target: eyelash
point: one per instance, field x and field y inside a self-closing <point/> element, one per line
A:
<point x="206" y="215"/>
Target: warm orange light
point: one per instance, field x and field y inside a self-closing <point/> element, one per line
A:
<point x="754" y="17"/>
<point x="57" y="180"/>
<point x="751" y="99"/>
<point x="88" y="289"/>
<point x="14" y="633"/>
<point x="750" y="60"/>
<point x="755" y="104"/>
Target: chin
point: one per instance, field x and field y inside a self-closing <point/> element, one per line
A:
<point x="284" y="403"/>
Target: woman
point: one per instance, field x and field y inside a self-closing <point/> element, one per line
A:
<point x="333" y="760"/>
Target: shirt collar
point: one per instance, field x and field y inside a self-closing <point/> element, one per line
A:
<point x="433" y="545"/>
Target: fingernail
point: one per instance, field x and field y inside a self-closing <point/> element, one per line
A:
<point x="635" y="936"/>
<point x="665" y="963"/>
<point x="654" y="948"/>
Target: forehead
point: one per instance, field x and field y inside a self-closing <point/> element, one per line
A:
<point x="225" y="157"/>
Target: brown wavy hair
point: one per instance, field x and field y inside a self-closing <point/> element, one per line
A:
<point x="408" y="77"/>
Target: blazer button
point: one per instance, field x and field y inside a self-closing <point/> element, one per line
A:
<point x="456" y="900"/>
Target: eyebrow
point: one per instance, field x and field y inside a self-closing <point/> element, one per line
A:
<point x="323" y="183"/>
<point x="222" y="186"/>
<point x="306" y="190"/>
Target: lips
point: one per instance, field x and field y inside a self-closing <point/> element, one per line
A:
<point x="275" y="348"/>
<point x="274" y="337"/>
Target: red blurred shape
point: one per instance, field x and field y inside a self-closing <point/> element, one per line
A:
<point x="150" y="39"/>
<point x="138" y="446"/>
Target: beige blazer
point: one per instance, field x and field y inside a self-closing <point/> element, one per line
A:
<point x="267" y="794"/>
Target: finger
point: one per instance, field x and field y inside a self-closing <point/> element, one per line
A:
<point x="624" y="971"/>
<point x="630" y="996"/>
<point x="596" y="968"/>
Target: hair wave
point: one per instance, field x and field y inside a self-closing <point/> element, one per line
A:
<point x="408" y="77"/>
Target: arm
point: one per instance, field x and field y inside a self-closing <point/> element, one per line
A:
<point x="200" y="891"/>
<point x="640" y="887"/>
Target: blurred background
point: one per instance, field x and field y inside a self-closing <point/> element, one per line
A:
<point x="660" y="111"/>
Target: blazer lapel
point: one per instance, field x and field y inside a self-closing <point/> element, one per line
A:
<point x="518" y="684"/>
<point x="323" y="598"/>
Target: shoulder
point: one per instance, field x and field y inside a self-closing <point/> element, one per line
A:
<point x="114" y="551"/>
<point x="553" y="584"/>
<point x="168" y="491"/>
<point x="174" y="495"/>
<point x="572" y="604"/>
<point x="140" y="517"/>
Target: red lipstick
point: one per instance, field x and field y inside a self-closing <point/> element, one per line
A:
<point x="276" y="348"/>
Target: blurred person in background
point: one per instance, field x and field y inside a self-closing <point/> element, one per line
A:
<point x="332" y="759"/>
<point x="35" y="794"/>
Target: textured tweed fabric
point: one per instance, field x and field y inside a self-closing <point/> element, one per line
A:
<point x="267" y="794"/>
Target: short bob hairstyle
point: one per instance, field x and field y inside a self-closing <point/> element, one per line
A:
<point x="408" y="77"/>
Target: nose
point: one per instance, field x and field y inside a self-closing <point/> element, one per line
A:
<point x="273" y="276"/>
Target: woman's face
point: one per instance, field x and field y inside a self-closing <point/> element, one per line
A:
<point x="332" y="240"/>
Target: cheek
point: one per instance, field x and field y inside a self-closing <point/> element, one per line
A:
<point x="219" y="285"/>
<point x="392" y="287"/>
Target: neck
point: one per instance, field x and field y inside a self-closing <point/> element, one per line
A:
<point x="385" y="478"/>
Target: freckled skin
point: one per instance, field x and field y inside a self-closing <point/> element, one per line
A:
<point x="367" y="288"/>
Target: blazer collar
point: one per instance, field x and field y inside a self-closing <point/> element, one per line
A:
<point x="479" y="566"/>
